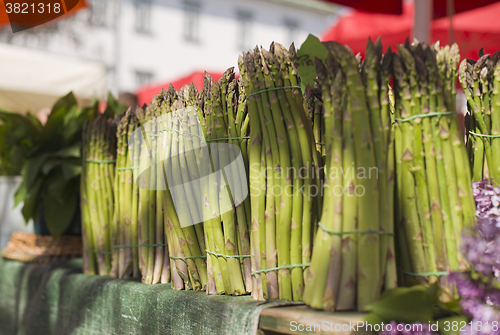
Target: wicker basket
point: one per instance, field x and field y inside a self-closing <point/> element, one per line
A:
<point x="27" y="247"/>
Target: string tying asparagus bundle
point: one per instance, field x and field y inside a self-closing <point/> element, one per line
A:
<point x="353" y="257"/>
<point x="99" y="152"/>
<point x="480" y="82"/>
<point x="281" y="173"/>
<point x="433" y="186"/>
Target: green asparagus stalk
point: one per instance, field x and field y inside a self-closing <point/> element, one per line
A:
<point x="255" y="148"/>
<point x="368" y="219"/>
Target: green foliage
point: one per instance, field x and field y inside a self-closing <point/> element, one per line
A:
<point x="311" y="49"/>
<point x="113" y="106"/>
<point x="405" y="304"/>
<point x="18" y="134"/>
<point x="51" y="175"/>
<point x="52" y="159"/>
<point x="418" y="303"/>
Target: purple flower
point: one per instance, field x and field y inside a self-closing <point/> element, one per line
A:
<point x="467" y="287"/>
<point x="480" y="298"/>
<point x="481" y="246"/>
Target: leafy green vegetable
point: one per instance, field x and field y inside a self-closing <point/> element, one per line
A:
<point x="405" y="304"/>
<point x="51" y="174"/>
<point x="311" y="49"/>
<point x="18" y="135"/>
<point x="113" y="106"/>
<point x="418" y="303"/>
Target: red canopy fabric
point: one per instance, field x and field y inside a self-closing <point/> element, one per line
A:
<point x="386" y="7"/>
<point x="460" y="6"/>
<point x="473" y="30"/>
<point x="147" y="93"/>
<point x="396" y="6"/>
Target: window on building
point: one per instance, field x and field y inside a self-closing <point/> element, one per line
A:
<point x="102" y="13"/>
<point x="143" y="78"/>
<point x="143" y="16"/>
<point x="192" y="21"/>
<point x="110" y="77"/>
<point x="244" y="30"/>
<point x="292" y="30"/>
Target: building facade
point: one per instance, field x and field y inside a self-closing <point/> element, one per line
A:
<point x="143" y="42"/>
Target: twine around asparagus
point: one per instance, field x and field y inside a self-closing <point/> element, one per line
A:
<point x="227" y="256"/>
<point x="422" y="115"/>
<point x="177" y="131"/>
<point x="138" y="245"/>
<point x="227" y="138"/>
<point x="124" y="246"/>
<point x="483" y="135"/>
<point x="331" y="232"/>
<point x="271" y="89"/>
<point x="105" y="161"/>
<point x="209" y="140"/>
<point x="280" y="267"/>
<point x="183" y="258"/>
<point x="98" y="251"/>
<point x="425" y="274"/>
<point x="127" y="168"/>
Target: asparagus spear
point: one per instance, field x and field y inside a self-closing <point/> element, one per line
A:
<point x="368" y="245"/>
<point x="406" y="188"/>
<point x="423" y="205"/>
<point x="255" y="147"/>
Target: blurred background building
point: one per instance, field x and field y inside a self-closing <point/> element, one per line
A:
<point x="142" y="42"/>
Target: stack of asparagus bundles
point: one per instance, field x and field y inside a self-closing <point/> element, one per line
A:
<point x="480" y="81"/>
<point x="224" y="193"/>
<point x="433" y="178"/>
<point x="353" y="257"/>
<point x="98" y="169"/>
<point x="177" y="134"/>
<point x="282" y="178"/>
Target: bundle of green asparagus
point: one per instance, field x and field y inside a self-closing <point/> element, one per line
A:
<point x="98" y="169"/>
<point x="353" y="256"/>
<point x="124" y="238"/>
<point x="480" y="81"/>
<point x="225" y="124"/>
<point x="154" y="262"/>
<point x="433" y="178"/>
<point x="174" y="136"/>
<point x="283" y="179"/>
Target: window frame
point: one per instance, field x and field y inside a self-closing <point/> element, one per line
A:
<point x="191" y="24"/>
<point x="244" y="20"/>
<point x="143" y="6"/>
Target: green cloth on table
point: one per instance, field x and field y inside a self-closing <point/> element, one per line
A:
<point x="59" y="299"/>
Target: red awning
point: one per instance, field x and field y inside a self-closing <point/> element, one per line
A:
<point x="396" y="6"/>
<point x="473" y="30"/>
<point x="147" y="93"/>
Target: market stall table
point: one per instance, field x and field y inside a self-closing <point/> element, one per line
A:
<point x="59" y="299"/>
